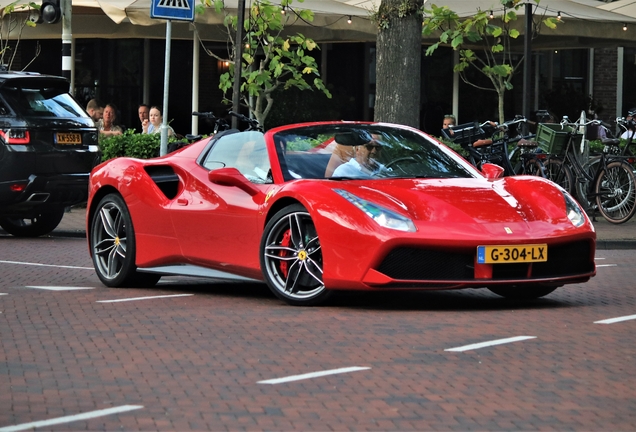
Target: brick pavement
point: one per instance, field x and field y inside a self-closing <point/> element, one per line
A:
<point x="609" y="236"/>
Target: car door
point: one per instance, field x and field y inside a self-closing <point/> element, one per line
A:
<point x="218" y="225"/>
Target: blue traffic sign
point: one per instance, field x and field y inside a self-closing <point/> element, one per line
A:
<point x="182" y="10"/>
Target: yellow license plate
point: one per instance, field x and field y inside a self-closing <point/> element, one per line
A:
<point x="502" y="254"/>
<point x="68" y="138"/>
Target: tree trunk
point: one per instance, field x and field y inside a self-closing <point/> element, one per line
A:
<point x="398" y="64"/>
<point x="501" y="93"/>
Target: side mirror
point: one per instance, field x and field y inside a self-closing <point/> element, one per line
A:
<point x="232" y="177"/>
<point x="492" y="171"/>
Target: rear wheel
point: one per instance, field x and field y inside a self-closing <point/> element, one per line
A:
<point x="533" y="166"/>
<point x="43" y="223"/>
<point x="112" y="243"/>
<point x="558" y="172"/>
<point x="616" y="192"/>
<point x="291" y="258"/>
<point x="521" y="292"/>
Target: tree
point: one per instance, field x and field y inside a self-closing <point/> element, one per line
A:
<point x="270" y="59"/>
<point x="494" y="36"/>
<point x="14" y="17"/>
<point x="398" y="61"/>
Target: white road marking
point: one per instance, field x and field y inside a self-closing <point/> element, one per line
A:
<point x="71" y="418"/>
<point x="144" y="298"/>
<point x="4" y="293"/>
<point x="615" y="320"/>
<point x="59" y="288"/>
<point x="490" y="343"/>
<point x="597" y="258"/>
<point x="46" y="265"/>
<point x="606" y="265"/>
<point x="313" y="375"/>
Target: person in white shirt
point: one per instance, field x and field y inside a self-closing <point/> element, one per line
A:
<point x="364" y="164"/>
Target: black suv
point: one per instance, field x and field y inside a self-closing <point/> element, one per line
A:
<point x="48" y="146"/>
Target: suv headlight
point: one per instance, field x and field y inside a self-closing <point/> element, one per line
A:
<point x="382" y="216"/>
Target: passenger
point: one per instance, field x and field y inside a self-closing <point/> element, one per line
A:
<point x="364" y="164"/>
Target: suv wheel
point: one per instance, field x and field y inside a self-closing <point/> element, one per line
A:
<point x="43" y="223"/>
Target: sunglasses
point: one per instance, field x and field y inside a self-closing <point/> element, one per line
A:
<point x="370" y="147"/>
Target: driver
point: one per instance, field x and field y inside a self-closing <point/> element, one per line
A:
<point x="364" y="164"/>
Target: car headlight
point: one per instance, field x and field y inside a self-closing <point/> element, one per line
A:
<point x="382" y="216"/>
<point x="573" y="210"/>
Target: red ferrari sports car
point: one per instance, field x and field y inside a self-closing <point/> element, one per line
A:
<point x="318" y="207"/>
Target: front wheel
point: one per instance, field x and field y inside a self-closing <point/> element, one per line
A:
<point x="43" y="223"/>
<point x="291" y="258"/>
<point x="521" y="292"/>
<point x="615" y="191"/>
<point x="112" y="243"/>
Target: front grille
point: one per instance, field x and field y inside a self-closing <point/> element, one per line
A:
<point x="408" y="263"/>
<point x="565" y="260"/>
<point x="510" y="271"/>
<point x="425" y="264"/>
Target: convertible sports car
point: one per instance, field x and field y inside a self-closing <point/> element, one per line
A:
<point x="318" y="207"/>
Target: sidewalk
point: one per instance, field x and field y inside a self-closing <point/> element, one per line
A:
<point x="608" y="236"/>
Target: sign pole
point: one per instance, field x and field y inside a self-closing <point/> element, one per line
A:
<point x="182" y="10"/>
<point x="166" y="88"/>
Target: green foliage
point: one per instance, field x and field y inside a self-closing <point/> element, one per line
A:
<point x="493" y="35"/>
<point x="14" y="17"/>
<point x="270" y="60"/>
<point x="130" y="144"/>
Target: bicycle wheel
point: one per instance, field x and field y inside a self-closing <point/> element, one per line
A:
<point x="533" y="166"/>
<point x="559" y="173"/>
<point x="615" y="190"/>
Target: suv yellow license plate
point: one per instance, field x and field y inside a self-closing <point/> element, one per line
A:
<point x="502" y="254"/>
<point x="68" y="138"/>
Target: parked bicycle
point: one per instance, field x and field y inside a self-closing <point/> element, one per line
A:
<point x="606" y="184"/>
<point x="490" y="142"/>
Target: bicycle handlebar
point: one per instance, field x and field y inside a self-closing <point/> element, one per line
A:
<point x="252" y="122"/>
<point x="204" y="114"/>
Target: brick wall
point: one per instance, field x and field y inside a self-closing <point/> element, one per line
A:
<point x="605" y="70"/>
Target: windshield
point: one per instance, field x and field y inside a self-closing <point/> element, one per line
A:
<point x="41" y="98"/>
<point x="341" y="151"/>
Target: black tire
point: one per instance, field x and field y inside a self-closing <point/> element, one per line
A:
<point x="112" y="243"/>
<point x="291" y="258"/>
<point x="615" y="191"/>
<point x="522" y="292"/>
<point x="45" y="222"/>
<point x="560" y="173"/>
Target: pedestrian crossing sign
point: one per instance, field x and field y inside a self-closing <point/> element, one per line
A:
<point x="182" y="10"/>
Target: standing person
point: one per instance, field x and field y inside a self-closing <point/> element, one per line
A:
<point x="152" y="125"/>
<point x="630" y="132"/>
<point x="143" y="111"/>
<point x="449" y="120"/>
<point x="95" y="109"/>
<point x="106" y="125"/>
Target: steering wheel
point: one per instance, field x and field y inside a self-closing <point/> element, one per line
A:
<point x="410" y="159"/>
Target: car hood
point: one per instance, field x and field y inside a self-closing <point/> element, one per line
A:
<point x="517" y="204"/>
